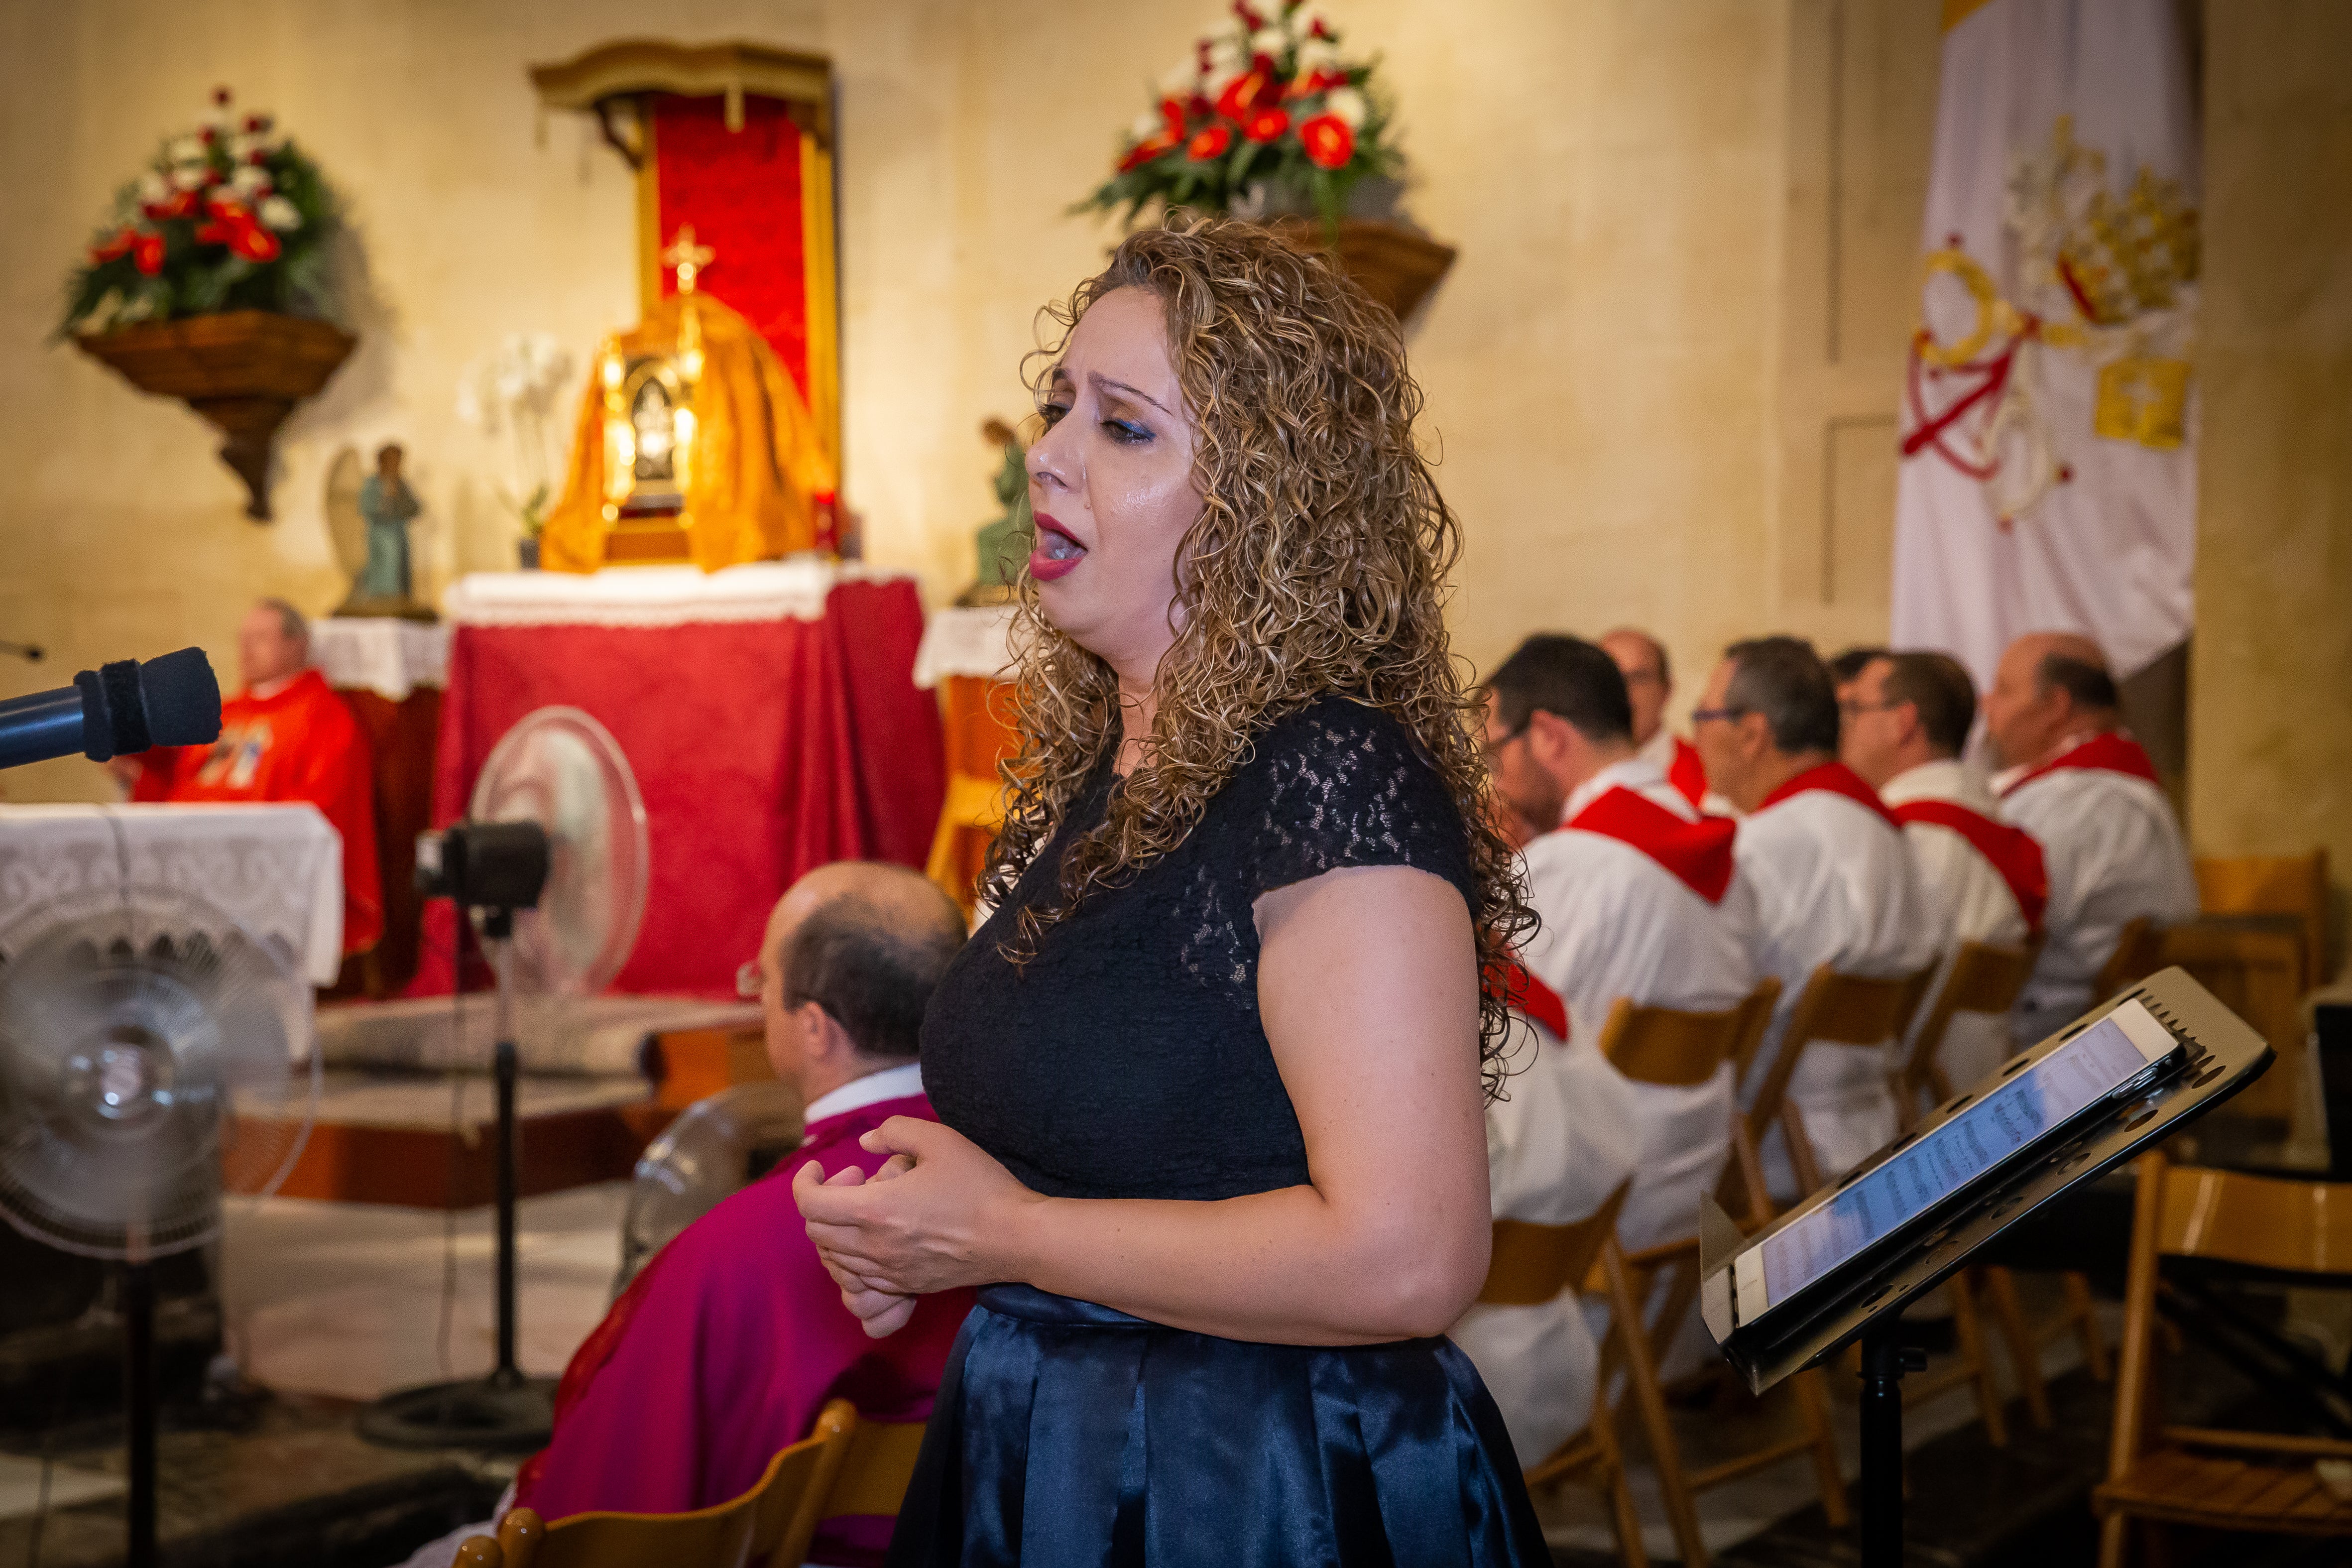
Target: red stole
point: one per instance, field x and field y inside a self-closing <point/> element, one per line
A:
<point x="1837" y="779"/>
<point x="1522" y="992"/>
<point x="2114" y="752"/>
<point x="1687" y="773"/>
<point x="1698" y="853"/>
<point x="2013" y="850"/>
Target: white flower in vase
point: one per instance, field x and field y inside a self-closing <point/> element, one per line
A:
<point x="1347" y="104"/>
<point x="279" y="214"/>
<point x="249" y="181"/>
<point x="154" y="187"/>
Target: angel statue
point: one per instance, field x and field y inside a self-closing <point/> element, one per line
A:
<point x="1005" y="541"/>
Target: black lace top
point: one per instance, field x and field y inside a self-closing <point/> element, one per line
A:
<point x="1127" y="1060"/>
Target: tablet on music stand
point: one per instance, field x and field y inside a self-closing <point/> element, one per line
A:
<point x="1847" y="1260"/>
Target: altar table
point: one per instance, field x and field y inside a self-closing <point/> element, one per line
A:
<point x="277" y="870"/>
<point x="967" y="653"/>
<point x="769" y="712"/>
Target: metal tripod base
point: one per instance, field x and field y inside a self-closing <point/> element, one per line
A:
<point x="501" y="1413"/>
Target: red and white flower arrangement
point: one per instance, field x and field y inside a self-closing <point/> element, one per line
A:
<point x="230" y="216"/>
<point x="1267" y="104"/>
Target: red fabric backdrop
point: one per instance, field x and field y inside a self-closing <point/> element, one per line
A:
<point x="741" y="192"/>
<point x="762" y="749"/>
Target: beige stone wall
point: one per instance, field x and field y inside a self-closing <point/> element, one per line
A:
<point x="2271" y="681"/>
<point x="1598" y="365"/>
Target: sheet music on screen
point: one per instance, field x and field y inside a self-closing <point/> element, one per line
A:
<point x="2078" y="1074"/>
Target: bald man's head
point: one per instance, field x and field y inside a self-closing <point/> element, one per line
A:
<point x="867" y="944"/>
<point x="1649" y="679"/>
<point x="2049" y="687"/>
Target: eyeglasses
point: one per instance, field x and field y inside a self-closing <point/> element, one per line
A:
<point x="1701" y="715"/>
<point x="748" y="983"/>
<point x="1494" y="745"/>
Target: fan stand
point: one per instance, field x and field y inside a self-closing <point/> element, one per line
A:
<point x="507" y="1410"/>
<point x="139" y="1395"/>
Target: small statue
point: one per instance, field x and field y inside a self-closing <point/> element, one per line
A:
<point x="386" y="585"/>
<point x="1004" y="542"/>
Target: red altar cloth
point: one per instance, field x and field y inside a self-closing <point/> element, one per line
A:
<point x="762" y="747"/>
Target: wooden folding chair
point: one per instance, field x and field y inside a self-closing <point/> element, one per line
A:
<point x="874" y="1473"/>
<point x="2293" y="886"/>
<point x="1662" y="1046"/>
<point x="2140" y="953"/>
<point x="2211" y="1478"/>
<point x="771" y="1524"/>
<point x="2257" y="972"/>
<point x="1834" y="1010"/>
<point x="1531" y="1265"/>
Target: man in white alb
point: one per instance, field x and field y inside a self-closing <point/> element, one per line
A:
<point x="1558" y="1145"/>
<point x="1904" y="719"/>
<point x="2083" y="786"/>
<point x="1649" y="681"/>
<point x="1831" y="876"/>
<point x="1638" y="899"/>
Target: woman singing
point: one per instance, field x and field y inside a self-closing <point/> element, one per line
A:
<point x="1210" y="1078"/>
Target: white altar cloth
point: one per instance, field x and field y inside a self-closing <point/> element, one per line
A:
<point x="382" y="654"/>
<point x="654" y="595"/>
<point x="959" y="640"/>
<point x="277" y="869"/>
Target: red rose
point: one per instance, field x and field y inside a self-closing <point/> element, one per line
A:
<point x="1328" y="142"/>
<point x="1250" y="18"/>
<point x="148" y="252"/>
<point x="1148" y="148"/>
<point x="1212" y="142"/>
<point x="1251" y="90"/>
<point x="1266" y="124"/>
<point x="121" y="245"/>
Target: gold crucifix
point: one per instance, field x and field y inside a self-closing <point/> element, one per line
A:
<point x="687" y="258"/>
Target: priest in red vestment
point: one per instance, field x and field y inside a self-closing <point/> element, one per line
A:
<point x="285" y="737"/>
<point x="2086" y="790"/>
<point x="723" y="1350"/>
<point x="1649" y="682"/>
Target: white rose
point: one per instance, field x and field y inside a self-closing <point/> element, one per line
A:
<point x="1315" y="54"/>
<point x="188" y="176"/>
<point x="248" y="180"/>
<point x="1347" y="104"/>
<point x="1146" y="124"/>
<point x="153" y="186"/>
<point x="1177" y="81"/>
<point x="279" y="214"/>
<point x="185" y="150"/>
<point x="1269" y="41"/>
<point x="1225" y="53"/>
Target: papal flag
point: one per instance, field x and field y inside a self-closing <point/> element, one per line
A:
<point x="2049" y="471"/>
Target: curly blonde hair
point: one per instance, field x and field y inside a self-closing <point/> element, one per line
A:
<point x="1318" y="567"/>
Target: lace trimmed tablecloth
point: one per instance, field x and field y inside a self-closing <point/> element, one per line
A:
<point x="382" y="654"/>
<point x="277" y="869"/>
<point x="965" y="641"/>
<point x="796" y="589"/>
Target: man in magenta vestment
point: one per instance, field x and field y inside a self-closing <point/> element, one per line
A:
<point x="723" y="1350"/>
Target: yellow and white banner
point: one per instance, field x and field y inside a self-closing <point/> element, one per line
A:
<point x="2049" y="474"/>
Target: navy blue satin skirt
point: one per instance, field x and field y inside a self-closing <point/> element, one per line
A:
<point x="1067" y="1434"/>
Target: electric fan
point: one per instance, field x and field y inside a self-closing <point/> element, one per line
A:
<point x="154" y="1057"/>
<point x="550" y="863"/>
<point x="716" y="1147"/>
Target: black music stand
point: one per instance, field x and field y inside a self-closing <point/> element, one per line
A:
<point x="1864" y="1298"/>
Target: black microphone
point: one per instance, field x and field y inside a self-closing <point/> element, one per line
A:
<point x="114" y="710"/>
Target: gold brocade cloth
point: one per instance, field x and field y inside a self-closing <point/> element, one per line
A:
<point x="760" y="473"/>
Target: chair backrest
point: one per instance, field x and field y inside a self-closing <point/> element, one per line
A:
<point x="2256" y="973"/>
<point x="1533" y="1263"/>
<point x="1663" y="1046"/>
<point x="874" y="1473"/>
<point x="2260" y="1221"/>
<point x="1983" y="978"/>
<point x="1842" y="1010"/>
<point x="2140" y="953"/>
<point x="2293" y="884"/>
<point x="769" y="1525"/>
<point x="1756" y="1017"/>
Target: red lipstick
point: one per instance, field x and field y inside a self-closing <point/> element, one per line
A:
<point x="1057" y="554"/>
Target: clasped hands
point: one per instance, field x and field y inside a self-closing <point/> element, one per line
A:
<point x="926" y="1221"/>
